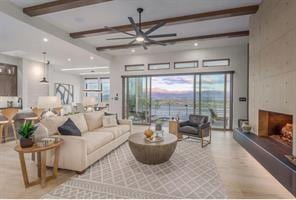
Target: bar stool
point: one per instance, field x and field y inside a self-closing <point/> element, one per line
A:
<point x="58" y="111"/>
<point x="2" y="124"/>
<point x="9" y="114"/>
<point x="37" y="117"/>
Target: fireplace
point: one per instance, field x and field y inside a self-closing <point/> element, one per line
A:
<point x="277" y="126"/>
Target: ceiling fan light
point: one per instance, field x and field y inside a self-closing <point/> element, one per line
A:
<point x="140" y="39"/>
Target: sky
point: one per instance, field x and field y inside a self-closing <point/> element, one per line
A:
<point x="178" y="84"/>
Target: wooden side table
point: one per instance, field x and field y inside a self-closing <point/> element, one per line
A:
<point x="174" y="129"/>
<point x="41" y="162"/>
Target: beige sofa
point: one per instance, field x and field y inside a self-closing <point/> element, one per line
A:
<point x="79" y="152"/>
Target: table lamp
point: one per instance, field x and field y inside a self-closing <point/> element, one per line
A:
<point x="89" y="102"/>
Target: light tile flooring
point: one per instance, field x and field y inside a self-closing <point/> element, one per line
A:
<point x="242" y="175"/>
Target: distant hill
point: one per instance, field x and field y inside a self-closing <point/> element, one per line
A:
<point x="217" y="95"/>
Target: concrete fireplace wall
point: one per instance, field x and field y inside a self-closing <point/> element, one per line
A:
<point x="272" y="70"/>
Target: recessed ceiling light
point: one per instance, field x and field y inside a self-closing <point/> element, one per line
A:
<point x="196" y="44"/>
<point x="45" y="40"/>
<point x="133" y="51"/>
<point x="85" y="68"/>
<point x="91" y="57"/>
<point x="69" y="59"/>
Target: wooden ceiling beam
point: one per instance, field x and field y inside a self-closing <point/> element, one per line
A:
<point x="59" y="5"/>
<point x="172" y="41"/>
<point x="247" y="10"/>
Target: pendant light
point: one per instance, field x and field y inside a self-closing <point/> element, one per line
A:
<point x="44" y="80"/>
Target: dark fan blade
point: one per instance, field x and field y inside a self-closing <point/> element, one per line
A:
<point x="144" y="46"/>
<point x="119" y="31"/>
<point x="132" y="42"/>
<point x="136" y="28"/>
<point x="155" y="42"/>
<point x="157" y="26"/>
<point x="162" y="35"/>
<point x="123" y="38"/>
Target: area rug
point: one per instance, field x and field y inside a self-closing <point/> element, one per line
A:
<point x="190" y="173"/>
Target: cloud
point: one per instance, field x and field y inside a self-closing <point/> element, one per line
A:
<point x="170" y="80"/>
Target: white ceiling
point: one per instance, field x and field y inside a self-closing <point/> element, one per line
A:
<point x="22" y="37"/>
<point x="22" y="40"/>
<point x="116" y="12"/>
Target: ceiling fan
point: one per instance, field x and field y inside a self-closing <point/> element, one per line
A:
<point x="140" y="36"/>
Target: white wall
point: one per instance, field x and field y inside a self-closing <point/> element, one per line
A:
<point x="238" y="61"/>
<point x="32" y="88"/>
<point x="273" y="61"/>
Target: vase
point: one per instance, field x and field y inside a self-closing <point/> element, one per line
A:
<point x="26" y="142"/>
<point x="246" y="127"/>
<point x="158" y="127"/>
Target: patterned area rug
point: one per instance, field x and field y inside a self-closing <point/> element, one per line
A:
<point x="190" y="173"/>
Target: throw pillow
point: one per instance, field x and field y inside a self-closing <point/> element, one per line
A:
<point x="94" y="120"/>
<point x="40" y="133"/>
<point x="69" y="128"/>
<point x="109" y="114"/>
<point x="109" y="121"/>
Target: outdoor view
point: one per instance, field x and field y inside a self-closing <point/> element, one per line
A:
<point x="171" y="96"/>
<point x="175" y="96"/>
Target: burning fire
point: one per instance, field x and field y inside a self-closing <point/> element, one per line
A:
<point x="287" y="133"/>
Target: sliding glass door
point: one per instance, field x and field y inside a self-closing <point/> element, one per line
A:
<point x="137" y="104"/>
<point x="215" y="99"/>
<point x="151" y="98"/>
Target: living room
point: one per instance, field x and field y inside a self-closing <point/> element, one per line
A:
<point x="147" y="99"/>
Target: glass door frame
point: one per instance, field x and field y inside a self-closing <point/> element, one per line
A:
<point x="125" y="92"/>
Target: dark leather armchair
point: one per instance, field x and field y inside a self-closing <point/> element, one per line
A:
<point x="197" y="126"/>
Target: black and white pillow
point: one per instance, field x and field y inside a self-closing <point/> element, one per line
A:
<point x="69" y="128"/>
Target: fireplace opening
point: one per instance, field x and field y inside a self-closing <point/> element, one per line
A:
<point x="277" y="126"/>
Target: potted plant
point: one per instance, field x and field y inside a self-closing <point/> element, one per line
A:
<point x="26" y="131"/>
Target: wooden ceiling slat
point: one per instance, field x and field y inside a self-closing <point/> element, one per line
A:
<point x="247" y="10"/>
<point x="202" y="37"/>
<point x="59" y="5"/>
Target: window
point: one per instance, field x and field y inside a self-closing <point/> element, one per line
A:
<point x="102" y="84"/>
<point x="150" y="98"/>
<point x="139" y="67"/>
<point x="92" y="84"/>
<point x="158" y="66"/>
<point x="187" y="64"/>
<point x="105" y="85"/>
<point x="216" y="63"/>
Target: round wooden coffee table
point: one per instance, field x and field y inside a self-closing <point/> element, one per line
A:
<point x="152" y="153"/>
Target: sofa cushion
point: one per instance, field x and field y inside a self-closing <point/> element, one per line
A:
<point x="80" y="122"/>
<point x="188" y="129"/>
<point x="69" y="128"/>
<point x="108" y="114"/>
<point x="52" y="123"/>
<point x="109" y="121"/>
<point x="95" y="140"/>
<point x="94" y="120"/>
<point x="116" y="131"/>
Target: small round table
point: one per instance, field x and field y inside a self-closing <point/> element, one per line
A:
<point x="41" y="162"/>
<point x="152" y="153"/>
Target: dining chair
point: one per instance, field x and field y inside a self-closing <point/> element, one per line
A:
<point x="9" y="114"/>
